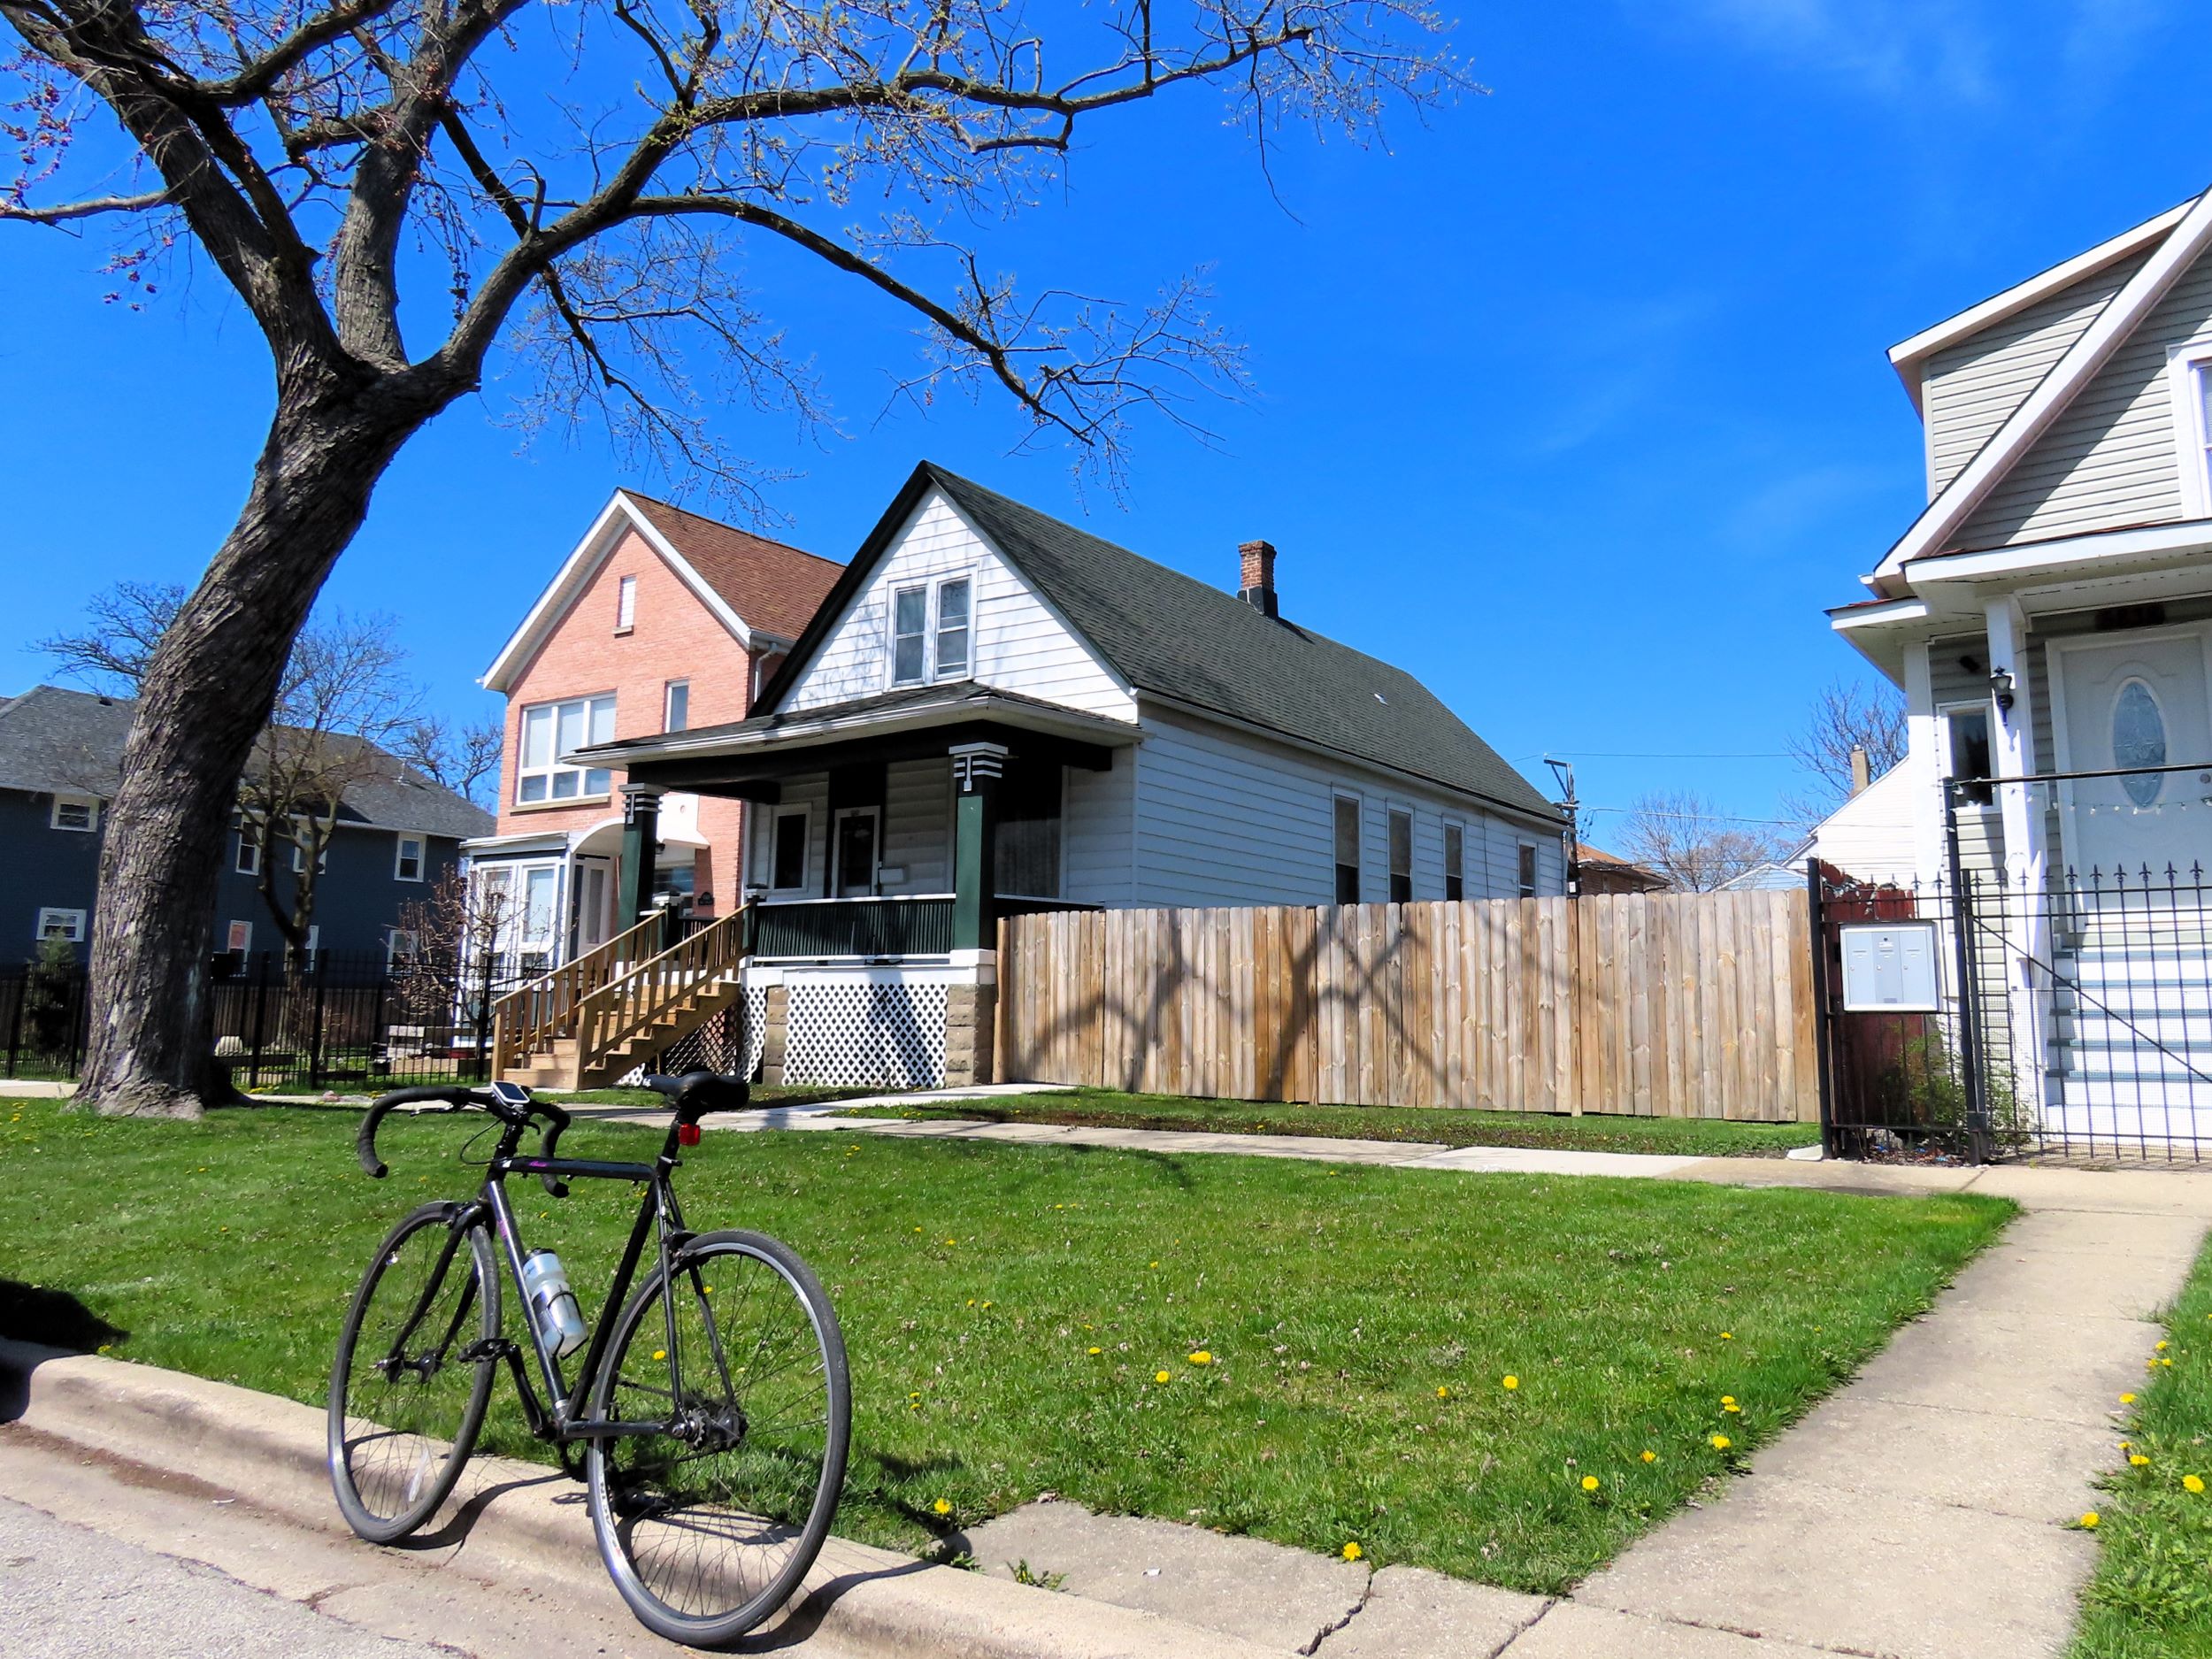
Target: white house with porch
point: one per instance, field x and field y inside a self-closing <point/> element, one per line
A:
<point x="993" y="712"/>
<point x="2050" y="617"/>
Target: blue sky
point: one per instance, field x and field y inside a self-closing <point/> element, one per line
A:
<point x="1572" y="400"/>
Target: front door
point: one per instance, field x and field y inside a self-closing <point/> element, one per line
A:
<point x="2140" y="700"/>
<point x="854" y="845"/>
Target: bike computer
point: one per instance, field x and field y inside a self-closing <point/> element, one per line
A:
<point x="509" y="1093"/>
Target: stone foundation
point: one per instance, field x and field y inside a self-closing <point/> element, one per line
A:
<point x="971" y="1022"/>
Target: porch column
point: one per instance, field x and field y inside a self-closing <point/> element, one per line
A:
<point x="976" y="771"/>
<point x="972" y="1005"/>
<point x="1921" y="749"/>
<point x="641" y="839"/>
<point x="2012" y="754"/>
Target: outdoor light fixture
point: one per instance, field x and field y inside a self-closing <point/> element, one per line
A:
<point x="2001" y="682"/>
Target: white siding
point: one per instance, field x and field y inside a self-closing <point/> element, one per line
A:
<point x="2108" y="459"/>
<point x="1969" y="390"/>
<point x="1226" y="819"/>
<point x="1098" y="830"/>
<point x="812" y="793"/>
<point x="1018" y="645"/>
<point x="917" y="825"/>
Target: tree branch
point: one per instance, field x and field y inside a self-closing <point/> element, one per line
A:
<point x="65" y="211"/>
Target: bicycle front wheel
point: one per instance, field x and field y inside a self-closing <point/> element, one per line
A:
<point x="414" y="1374"/>
<point x="728" y="1375"/>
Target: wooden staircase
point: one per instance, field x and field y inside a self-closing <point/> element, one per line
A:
<point x="591" y="1021"/>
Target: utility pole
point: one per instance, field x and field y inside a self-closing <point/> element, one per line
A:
<point x="1564" y="770"/>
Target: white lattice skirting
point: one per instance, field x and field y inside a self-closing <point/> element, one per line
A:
<point x="862" y="1030"/>
<point x="730" y="1041"/>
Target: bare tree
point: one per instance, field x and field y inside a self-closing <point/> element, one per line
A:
<point x="464" y="758"/>
<point x="585" y="196"/>
<point x="1683" y="837"/>
<point x="123" y="624"/>
<point x="451" y="935"/>
<point x="1846" y="716"/>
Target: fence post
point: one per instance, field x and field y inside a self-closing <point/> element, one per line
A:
<point x="1823" y="1016"/>
<point x="315" y="1038"/>
<point x="260" y="1001"/>
<point x="483" y="1019"/>
<point x="1970" y="1002"/>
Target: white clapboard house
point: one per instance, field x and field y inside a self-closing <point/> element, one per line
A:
<point x="2050" y="617"/>
<point x="995" y="712"/>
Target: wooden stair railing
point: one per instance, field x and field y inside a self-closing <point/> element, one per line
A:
<point x="658" y="989"/>
<point x="533" y="1018"/>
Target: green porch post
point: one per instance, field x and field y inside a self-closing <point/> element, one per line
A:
<point x="641" y="839"/>
<point x="976" y="771"/>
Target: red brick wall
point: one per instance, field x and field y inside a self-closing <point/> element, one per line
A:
<point x="674" y="637"/>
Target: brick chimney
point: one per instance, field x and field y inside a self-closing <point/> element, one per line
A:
<point x="1258" y="585"/>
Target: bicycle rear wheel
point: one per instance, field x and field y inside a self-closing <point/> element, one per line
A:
<point x="405" y="1404"/>
<point x="709" y="1524"/>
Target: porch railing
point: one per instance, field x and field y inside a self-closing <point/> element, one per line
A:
<point x="530" y="1020"/>
<point x="919" y="926"/>
<point x="632" y="1002"/>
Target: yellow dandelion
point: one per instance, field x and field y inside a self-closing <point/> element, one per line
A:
<point x="2192" y="1483"/>
<point x="942" y="1507"/>
<point x="1161" y="1376"/>
<point x="950" y="1242"/>
<point x="2127" y="1400"/>
<point x="1443" y="1393"/>
<point x="1094" y="1352"/>
<point x="1727" y="1336"/>
<point x="1201" y="1357"/>
<point x="660" y="1353"/>
<point x="1728" y="1400"/>
<point x="2136" y="1460"/>
<point x="2161" y="1347"/>
<point x="2166" y="1362"/>
<point x="1353" y="1552"/>
<point x="971" y="1301"/>
<point x="2089" y="1521"/>
<point x="1589" y="1483"/>
<point x="986" y="1305"/>
<point x="1509" y="1383"/>
<point x="1732" y="1407"/>
<point x="1651" y="1456"/>
<point x="1721" y="1442"/>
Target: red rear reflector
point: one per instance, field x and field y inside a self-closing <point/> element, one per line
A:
<point x="686" y="1134"/>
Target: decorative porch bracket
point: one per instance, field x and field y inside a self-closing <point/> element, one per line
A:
<point x="977" y="769"/>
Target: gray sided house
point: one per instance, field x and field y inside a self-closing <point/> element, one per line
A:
<point x="59" y="754"/>
<point x="995" y="712"/>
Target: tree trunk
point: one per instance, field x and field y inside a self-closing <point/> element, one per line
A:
<point x="206" y="695"/>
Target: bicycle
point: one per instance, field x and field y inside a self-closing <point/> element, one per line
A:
<point x="712" y="1437"/>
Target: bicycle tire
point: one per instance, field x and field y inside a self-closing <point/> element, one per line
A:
<point x="395" y="1461"/>
<point x="758" y="1420"/>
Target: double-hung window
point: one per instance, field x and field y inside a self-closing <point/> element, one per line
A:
<point x="407" y="863"/>
<point x="1527" y="872"/>
<point x="248" y="862"/>
<point x="931" y="631"/>
<point x="1348" y="850"/>
<point x="1455" y="862"/>
<point x="550" y="730"/>
<point x="676" y="706"/>
<point x="1401" y="855"/>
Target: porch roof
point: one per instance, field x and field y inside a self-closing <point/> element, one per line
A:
<point x="747" y="757"/>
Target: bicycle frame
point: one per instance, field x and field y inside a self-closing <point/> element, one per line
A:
<point x="561" y="1422"/>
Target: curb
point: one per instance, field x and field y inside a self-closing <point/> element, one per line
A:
<point x="525" y="1517"/>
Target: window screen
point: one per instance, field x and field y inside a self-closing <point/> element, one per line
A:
<point x="1348" y="850"/>
<point x="1028" y="856"/>
<point x="1400" y="856"/>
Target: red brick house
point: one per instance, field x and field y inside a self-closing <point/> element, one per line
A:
<point x="658" y="621"/>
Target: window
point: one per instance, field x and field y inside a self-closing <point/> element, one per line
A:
<point x="314" y="939"/>
<point x="400" y="945"/>
<point x="1400" y="827"/>
<point x="238" y="939"/>
<point x="68" y="925"/>
<point x="247" y="860"/>
<point x="787" y="852"/>
<point x="408" y="862"/>
<point x="1348" y="850"/>
<point x="2139" y="738"/>
<point x="2189" y="386"/>
<point x="909" y="637"/>
<point x="299" y="858"/>
<point x="78" y="812"/>
<point x="1528" y="870"/>
<point x="676" y="706"/>
<point x="1966" y="728"/>
<point x="550" y="730"/>
<point x="1455" y="862"/>
<point x="952" y="629"/>
<point x="625" y="604"/>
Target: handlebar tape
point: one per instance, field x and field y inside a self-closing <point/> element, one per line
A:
<point x="364" y="1142"/>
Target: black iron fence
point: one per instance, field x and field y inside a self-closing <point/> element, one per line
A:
<point x="336" y="1020"/>
<point x="1985" y="1016"/>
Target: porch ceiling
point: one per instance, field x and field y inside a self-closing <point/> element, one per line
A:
<point x="749" y="758"/>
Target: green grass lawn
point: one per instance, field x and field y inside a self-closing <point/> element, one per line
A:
<point x="1686" y="1137"/>
<point x="1009" y="1310"/>
<point x="2152" y="1597"/>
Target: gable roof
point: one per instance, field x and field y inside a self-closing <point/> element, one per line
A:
<point x="748" y="583"/>
<point x="54" y="741"/>
<point x="2188" y="237"/>
<point x="1177" y="639"/>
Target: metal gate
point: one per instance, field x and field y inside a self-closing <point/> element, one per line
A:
<point x="2069" y="1017"/>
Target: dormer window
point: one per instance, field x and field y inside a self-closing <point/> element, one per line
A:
<point x="932" y="632"/>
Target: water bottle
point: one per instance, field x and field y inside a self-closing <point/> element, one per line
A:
<point x="552" y="1303"/>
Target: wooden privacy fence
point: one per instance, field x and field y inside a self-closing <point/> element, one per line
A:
<point x="1674" y="1005"/>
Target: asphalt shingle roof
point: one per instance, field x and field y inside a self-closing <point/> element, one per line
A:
<point x="1167" y="632"/>
<point x="53" y="740"/>
<point x="775" y="588"/>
